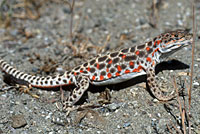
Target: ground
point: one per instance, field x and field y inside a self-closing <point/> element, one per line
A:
<point x="39" y="43"/>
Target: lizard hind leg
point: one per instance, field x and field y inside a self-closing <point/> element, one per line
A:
<point x="154" y="88"/>
<point x="82" y="84"/>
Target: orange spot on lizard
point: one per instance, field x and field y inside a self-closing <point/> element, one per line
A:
<point x="124" y="56"/>
<point x="137" y="52"/>
<point x="107" y="70"/>
<point x="148" y="59"/>
<point x="137" y="69"/>
<point x="119" y="68"/>
<point x="93" y="77"/>
<point x="117" y="74"/>
<point x="109" y="75"/>
<point x="88" y="69"/>
<point x="127" y="71"/>
<point x="101" y="77"/>
<point x="131" y="63"/>
<point x="97" y="65"/>
<point x="110" y="62"/>
<point x="147" y="48"/>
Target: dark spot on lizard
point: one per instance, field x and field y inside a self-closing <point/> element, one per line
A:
<point x="129" y="58"/>
<point x="150" y="43"/>
<point x="132" y="49"/>
<point x="115" y="60"/>
<point x="100" y="59"/>
<point x="92" y="70"/>
<point x="92" y="62"/>
<point x="114" y="54"/>
<point x="77" y="68"/>
<point x="103" y="73"/>
<point x="124" y="50"/>
<point x="141" y="47"/>
<point x="112" y="70"/>
<point x="85" y="64"/>
<point x="141" y="54"/>
<point x="101" y="66"/>
<point x="123" y="66"/>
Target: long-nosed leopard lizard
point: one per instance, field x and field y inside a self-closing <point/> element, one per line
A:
<point x="112" y="68"/>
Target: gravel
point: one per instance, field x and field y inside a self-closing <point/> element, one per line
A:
<point x="42" y="47"/>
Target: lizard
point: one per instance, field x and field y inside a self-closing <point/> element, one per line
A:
<point x="112" y="68"/>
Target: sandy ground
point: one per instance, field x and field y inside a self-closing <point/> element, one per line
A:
<point x="42" y="46"/>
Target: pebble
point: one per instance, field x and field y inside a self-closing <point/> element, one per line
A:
<point x="107" y="114"/>
<point x="155" y="100"/>
<point x="158" y="114"/>
<point x="60" y="69"/>
<point x="134" y="104"/>
<point x="18" y="121"/>
<point x="196" y="84"/>
<point x="48" y="116"/>
<point x="127" y="124"/>
<point x="76" y="17"/>
<point x="34" y="69"/>
<point x="89" y="10"/>
<point x="153" y="122"/>
<point x="167" y="23"/>
<point x="118" y="126"/>
<point x="14" y="32"/>
<point x="113" y="106"/>
<point x="179" y="4"/>
<point x="66" y="10"/>
<point x="180" y="22"/>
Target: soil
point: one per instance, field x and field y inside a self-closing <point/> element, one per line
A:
<point x="39" y="43"/>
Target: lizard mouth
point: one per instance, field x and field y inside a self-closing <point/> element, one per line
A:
<point x="176" y="46"/>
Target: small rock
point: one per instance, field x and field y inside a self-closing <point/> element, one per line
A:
<point x="18" y="121"/>
<point x="118" y="126"/>
<point x="195" y="84"/>
<point x="155" y="100"/>
<point x="180" y="22"/>
<point x="60" y="69"/>
<point x="127" y="124"/>
<point x="34" y="69"/>
<point x="14" y="32"/>
<point x="89" y="10"/>
<point x="107" y="114"/>
<point x="29" y="32"/>
<point x="113" y="106"/>
<point x="66" y="10"/>
<point x="167" y="23"/>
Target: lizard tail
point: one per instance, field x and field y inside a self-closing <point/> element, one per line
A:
<point x="18" y="77"/>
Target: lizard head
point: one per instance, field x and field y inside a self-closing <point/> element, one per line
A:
<point x="175" y="40"/>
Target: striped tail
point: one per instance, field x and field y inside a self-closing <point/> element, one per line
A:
<point x="35" y="81"/>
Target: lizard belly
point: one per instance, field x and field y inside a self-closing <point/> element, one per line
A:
<point x="118" y="79"/>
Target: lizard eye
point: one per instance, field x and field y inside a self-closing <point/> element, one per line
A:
<point x="176" y="35"/>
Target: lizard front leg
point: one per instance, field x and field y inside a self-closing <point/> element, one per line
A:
<point x="154" y="88"/>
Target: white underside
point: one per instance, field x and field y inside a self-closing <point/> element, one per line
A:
<point x="119" y="79"/>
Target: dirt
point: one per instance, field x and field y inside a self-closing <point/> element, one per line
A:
<point x="40" y="45"/>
